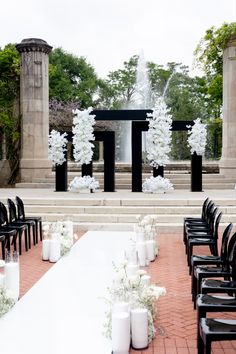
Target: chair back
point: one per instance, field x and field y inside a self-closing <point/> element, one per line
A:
<point x="3" y="215"/>
<point x="232" y="256"/>
<point x="209" y="210"/>
<point x="20" y="208"/>
<point x="12" y="210"/>
<point x="204" y="208"/>
<point x="216" y="226"/>
<point x="212" y="219"/>
<point x="224" y="242"/>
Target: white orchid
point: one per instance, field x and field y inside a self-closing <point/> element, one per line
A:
<point x="83" y="135"/>
<point x="57" y="147"/>
<point x="85" y="182"/>
<point x="157" y="184"/>
<point x="158" y="137"/>
<point x="197" y="137"/>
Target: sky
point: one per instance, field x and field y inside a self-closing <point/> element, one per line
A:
<point x="109" y="32"/>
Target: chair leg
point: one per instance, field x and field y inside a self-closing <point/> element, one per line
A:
<point x="3" y="248"/>
<point x="41" y="230"/>
<point x="36" y="231"/>
<point x="200" y="344"/>
<point x="207" y="349"/>
<point x="20" y="242"/>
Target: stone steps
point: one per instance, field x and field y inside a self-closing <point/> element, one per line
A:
<point x="118" y="211"/>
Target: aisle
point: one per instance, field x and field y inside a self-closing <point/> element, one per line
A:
<point x="176" y="322"/>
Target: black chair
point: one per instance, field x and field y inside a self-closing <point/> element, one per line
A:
<point x="209" y="239"/>
<point x="36" y="219"/>
<point x="214" y="330"/>
<point x="13" y="220"/>
<point x="223" y="286"/>
<point x="192" y="220"/>
<point x="12" y="230"/>
<point x="224" y="271"/>
<point x="205" y="225"/>
<point x="2" y="240"/>
<point x="211" y="259"/>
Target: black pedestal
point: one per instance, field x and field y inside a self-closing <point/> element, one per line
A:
<point x="158" y="171"/>
<point x="61" y="177"/>
<point x="196" y="173"/>
<point x="87" y="170"/>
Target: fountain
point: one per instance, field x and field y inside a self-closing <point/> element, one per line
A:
<point x="142" y="99"/>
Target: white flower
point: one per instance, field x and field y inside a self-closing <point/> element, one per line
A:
<point x="197" y="137"/>
<point x="155" y="184"/>
<point x="82" y="183"/>
<point x="158" y="136"/>
<point x="57" y="147"/>
<point x="6" y="301"/>
<point x="83" y="135"/>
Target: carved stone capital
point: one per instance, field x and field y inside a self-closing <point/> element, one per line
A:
<point x="33" y="45"/>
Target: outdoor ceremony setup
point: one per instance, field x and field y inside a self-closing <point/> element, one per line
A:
<point x="117" y="256"/>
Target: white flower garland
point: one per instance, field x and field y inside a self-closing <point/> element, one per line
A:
<point x="197" y="137"/>
<point x="6" y="300"/>
<point x="157" y="184"/>
<point x="158" y="137"/>
<point x="85" y="182"/>
<point x="83" y="135"/>
<point x="57" y="147"/>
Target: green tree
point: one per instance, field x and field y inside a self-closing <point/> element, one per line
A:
<point x="209" y="57"/>
<point x="71" y="78"/>
<point x="9" y="105"/>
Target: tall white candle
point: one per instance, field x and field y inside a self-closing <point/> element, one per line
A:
<point x="139" y="328"/>
<point x="131" y="269"/>
<point x="150" y="249"/>
<point x="55" y="250"/>
<point x="46" y="249"/>
<point x="141" y="249"/>
<point x="145" y="279"/>
<point x="2" y="279"/>
<point x="12" y="279"/>
<point x="120" y="332"/>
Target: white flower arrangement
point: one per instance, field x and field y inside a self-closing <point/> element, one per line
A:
<point x="146" y="225"/>
<point x="6" y="301"/>
<point x="83" y="135"/>
<point x="197" y="137"/>
<point x="137" y="294"/>
<point x="57" y="147"/>
<point x="85" y="182"/>
<point x="65" y="230"/>
<point x="157" y="185"/>
<point x="158" y="138"/>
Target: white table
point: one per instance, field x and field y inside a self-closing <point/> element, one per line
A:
<point x="64" y="311"/>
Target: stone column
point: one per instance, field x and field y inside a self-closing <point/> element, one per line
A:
<point x="34" y="108"/>
<point x="228" y="159"/>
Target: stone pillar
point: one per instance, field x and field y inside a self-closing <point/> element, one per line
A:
<point x="228" y="159"/>
<point x="34" y="108"/>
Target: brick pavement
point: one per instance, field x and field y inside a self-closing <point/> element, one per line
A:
<point x="176" y="319"/>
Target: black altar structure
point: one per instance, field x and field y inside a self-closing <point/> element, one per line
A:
<point x="139" y="124"/>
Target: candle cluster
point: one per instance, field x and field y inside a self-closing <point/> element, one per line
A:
<point x="132" y="298"/>
<point x="58" y="240"/>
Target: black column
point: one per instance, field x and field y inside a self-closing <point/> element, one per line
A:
<point x="137" y="128"/>
<point x="61" y="177"/>
<point x="108" y="137"/>
<point x="196" y="173"/>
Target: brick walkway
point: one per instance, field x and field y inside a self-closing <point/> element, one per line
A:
<point x="176" y="319"/>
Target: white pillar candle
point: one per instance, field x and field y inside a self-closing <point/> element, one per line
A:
<point x="139" y="328"/>
<point x="46" y="249"/>
<point x="146" y="279"/>
<point x="55" y="251"/>
<point x="140" y="236"/>
<point x="120" y="332"/>
<point x="131" y="269"/>
<point x="150" y="249"/>
<point x="131" y="252"/>
<point x="141" y="249"/>
<point x="121" y="306"/>
<point x="12" y="279"/>
<point x="2" y="279"/>
<point x="69" y="227"/>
